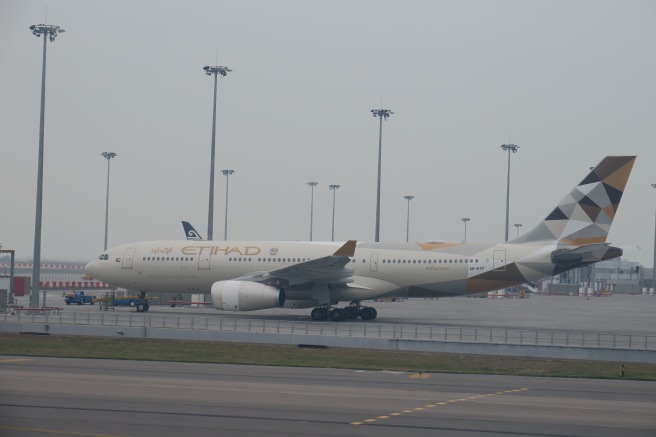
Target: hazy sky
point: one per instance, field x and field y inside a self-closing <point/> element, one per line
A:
<point x="568" y="81"/>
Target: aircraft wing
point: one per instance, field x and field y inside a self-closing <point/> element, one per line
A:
<point x="328" y="269"/>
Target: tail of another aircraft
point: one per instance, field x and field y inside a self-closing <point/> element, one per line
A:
<point x="190" y="232"/>
<point x="585" y="215"/>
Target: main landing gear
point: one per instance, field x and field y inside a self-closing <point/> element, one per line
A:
<point x="350" y="312"/>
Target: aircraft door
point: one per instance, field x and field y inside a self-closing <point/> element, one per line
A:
<point x="128" y="256"/>
<point x="374" y="262"/>
<point x="204" y="261"/>
<point x="499" y="261"/>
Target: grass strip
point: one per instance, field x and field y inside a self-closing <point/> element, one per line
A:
<point x="277" y="355"/>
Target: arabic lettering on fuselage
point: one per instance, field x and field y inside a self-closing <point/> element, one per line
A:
<point x="164" y="250"/>
<point x="215" y="250"/>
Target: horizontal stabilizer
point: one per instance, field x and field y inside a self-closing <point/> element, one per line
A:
<point x="588" y="253"/>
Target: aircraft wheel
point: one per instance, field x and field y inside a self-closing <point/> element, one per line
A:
<point x="318" y="314"/>
<point x="375" y="313"/>
<point x="350" y="313"/>
<point x="140" y="307"/>
<point x="367" y="313"/>
<point x="337" y="315"/>
<point x="132" y="303"/>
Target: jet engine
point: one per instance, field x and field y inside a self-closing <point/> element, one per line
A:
<point x="246" y="296"/>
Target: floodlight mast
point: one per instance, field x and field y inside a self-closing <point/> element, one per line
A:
<point x="334" y="189"/>
<point x="216" y="71"/>
<point x="49" y="32"/>
<point x="407" y="220"/>
<point x="518" y="225"/>
<point x="465" y="220"/>
<point x="312" y="185"/>
<point x="382" y="114"/>
<point x="510" y="148"/>
<point x="108" y="156"/>
<point x="227" y="174"/>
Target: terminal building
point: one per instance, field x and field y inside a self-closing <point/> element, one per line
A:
<point x="614" y="276"/>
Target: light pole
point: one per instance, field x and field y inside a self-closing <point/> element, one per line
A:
<point x="227" y="174"/>
<point x="312" y="185"/>
<point x="108" y="156"/>
<point x="49" y="32"/>
<point x="407" y="219"/>
<point x="216" y="71"/>
<point x="334" y="189"/>
<point x="510" y="148"/>
<point x="653" y="271"/>
<point x="465" y="220"/>
<point x="382" y="114"/>
<point x="518" y="225"/>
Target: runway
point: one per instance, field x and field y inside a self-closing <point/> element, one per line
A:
<point x="50" y="396"/>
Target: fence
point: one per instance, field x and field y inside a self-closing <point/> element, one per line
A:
<point x="455" y="334"/>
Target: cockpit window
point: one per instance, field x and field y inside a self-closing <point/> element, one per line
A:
<point x="104" y="257"/>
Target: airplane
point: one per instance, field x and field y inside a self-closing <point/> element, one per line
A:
<point x="255" y="275"/>
<point x="190" y="231"/>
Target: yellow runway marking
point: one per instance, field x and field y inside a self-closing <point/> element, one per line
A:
<point x="451" y="401"/>
<point x="420" y="376"/>
<point x="14" y="360"/>
<point x="55" y="431"/>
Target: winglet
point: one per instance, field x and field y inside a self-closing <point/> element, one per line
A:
<point x="348" y="249"/>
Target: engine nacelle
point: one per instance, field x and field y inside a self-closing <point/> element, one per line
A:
<point x="246" y="296"/>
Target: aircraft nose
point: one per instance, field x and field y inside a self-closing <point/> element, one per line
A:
<point x="90" y="268"/>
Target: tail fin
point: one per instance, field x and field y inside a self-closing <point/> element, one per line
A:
<point x="190" y="232"/>
<point x="585" y="215"/>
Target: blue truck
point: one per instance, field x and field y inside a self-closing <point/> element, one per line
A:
<point x="138" y="302"/>
<point x="79" y="298"/>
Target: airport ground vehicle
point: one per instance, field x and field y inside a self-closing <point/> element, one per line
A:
<point x="138" y="302"/>
<point x="111" y="299"/>
<point x="79" y="298"/>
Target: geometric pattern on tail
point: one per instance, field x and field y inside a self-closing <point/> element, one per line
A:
<point x="585" y="215"/>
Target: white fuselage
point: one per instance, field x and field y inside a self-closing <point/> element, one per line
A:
<point x="415" y="270"/>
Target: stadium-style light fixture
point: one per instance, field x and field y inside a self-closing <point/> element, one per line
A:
<point x="108" y="156"/>
<point x="509" y="148"/>
<point x="334" y="189"/>
<point x="216" y="71"/>
<point x="49" y="32"/>
<point x="312" y="185"/>
<point x="382" y="114"/>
